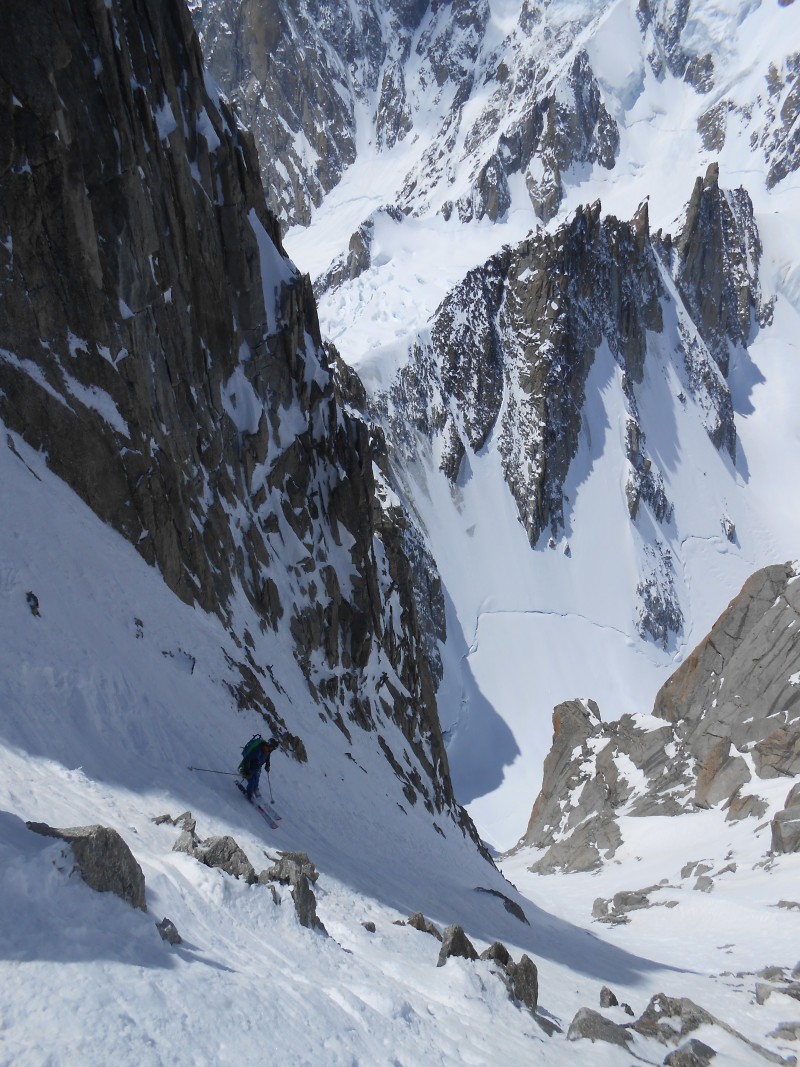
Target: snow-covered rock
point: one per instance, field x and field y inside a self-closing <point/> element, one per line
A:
<point x="730" y="720"/>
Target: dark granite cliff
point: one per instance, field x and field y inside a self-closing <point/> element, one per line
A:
<point x="159" y="347"/>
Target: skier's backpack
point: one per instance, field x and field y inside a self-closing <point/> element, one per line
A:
<point x="252" y="745"/>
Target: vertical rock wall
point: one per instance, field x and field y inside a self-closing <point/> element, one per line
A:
<point x="158" y="345"/>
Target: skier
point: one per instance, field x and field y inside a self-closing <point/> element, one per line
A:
<point x="255" y="755"/>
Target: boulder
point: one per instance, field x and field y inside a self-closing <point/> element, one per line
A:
<point x="455" y="943"/>
<point x="102" y="859"/>
<point x="524" y="981"/>
<point x="169" y="931"/>
<point x="669" y="1018"/>
<point x="291" y="866"/>
<point x="222" y="852"/>
<point x="187" y="842"/>
<point x="693" y="1053"/>
<point x="185" y="821"/>
<point x="589" y="1025"/>
<point x="225" y="853"/>
<point x="305" y="904"/>
<point x="498" y="953"/>
<point x="425" y="926"/>
<point x="786" y="1031"/>
<point x="295" y="869"/>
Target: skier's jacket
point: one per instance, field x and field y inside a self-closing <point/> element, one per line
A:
<point x="253" y="755"/>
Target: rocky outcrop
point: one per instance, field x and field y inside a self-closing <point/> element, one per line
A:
<point x="674" y="40"/>
<point x="519" y="336"/>
<point x="300" y="72"/>
<point x="455" y="943"/>
<point x="222" y="852"/>
<point x="731" y="715"/>
<point x="669" y="1021"/>
<point x="523" y="982"/>
<point x="297" y="72"/>
<point x="516" y="339"/>
<point x="418" y="922"/>
<point x="159" y="347"/>
<point x="616" y="912"/>
<point x="667" y="25"/>
<point x="786" y="824"/>
<point x="570" y="126"/>
<point x="296" y="870"/>
<point x="780" y="139"/>
<point x="590" y="1025"/>
<point x="349" y="266"/>
<point x="509" y="351"/>
<point x="716" y="268"/>
<point x="103" y="860"/>
<point x="737" y="684"/>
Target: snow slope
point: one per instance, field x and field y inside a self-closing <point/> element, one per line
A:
<point x="113" y="689"/>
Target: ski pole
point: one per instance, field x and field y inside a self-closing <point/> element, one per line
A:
<point x="208" y="770"/>
<point x="269" y="783"/>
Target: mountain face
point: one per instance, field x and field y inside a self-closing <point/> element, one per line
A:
<point x="158" y="345"/>
<point x="316" y="64"/>
<point x="578" y="428"/>
<point x="489" y="93"/>
<point x="556" y="243"/>
<point x="725" y="722"/>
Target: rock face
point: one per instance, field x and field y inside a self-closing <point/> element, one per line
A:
<point x="515" y="342"/>
<point x="484" y="109"/>
<point x="306" y="134"/>
<point x="510" y="349"/>
<point x="410" y="69"/>
<point x="158" y="345"/>
<point x="731" y="716"/>
<point x="103" y="860"/>
<point x="786" y="824"/>
<point x="715" y="254"/>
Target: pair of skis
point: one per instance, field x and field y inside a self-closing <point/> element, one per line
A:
<point x="267" y="812"/>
